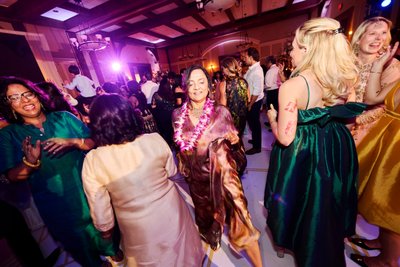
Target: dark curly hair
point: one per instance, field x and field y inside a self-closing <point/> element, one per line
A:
<point x="113" y="120"/>
<point x="57" y="100"/>
<point x="6" y="110"/>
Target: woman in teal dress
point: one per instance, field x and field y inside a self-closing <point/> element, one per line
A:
<point x="51" y="159"/>
<point x="311" y="190"/>
<point x="234" y="93"/>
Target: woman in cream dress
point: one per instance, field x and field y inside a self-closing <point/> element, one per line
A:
<point x="128" y="175"/>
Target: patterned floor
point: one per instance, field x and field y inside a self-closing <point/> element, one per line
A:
<point x="253" y="183"/>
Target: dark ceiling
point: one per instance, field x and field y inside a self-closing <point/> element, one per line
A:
<point x="158" y="23"/>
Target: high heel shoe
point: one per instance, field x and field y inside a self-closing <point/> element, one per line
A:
<point x="213" y="236"/>
<point x="361" y="243"/>
<point x="358" y="259"/>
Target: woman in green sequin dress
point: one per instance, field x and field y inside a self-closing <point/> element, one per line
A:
<point x="51" y="159"/>
<point x="311" y="191"/>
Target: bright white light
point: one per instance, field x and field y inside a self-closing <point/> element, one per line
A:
<point x="116" y="66"/>
<point x="385" y="3"/>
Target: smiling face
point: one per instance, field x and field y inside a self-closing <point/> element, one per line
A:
<point x="27" y="105"/>
<point x="197" y="86"/>
<point x="374" y="38"/>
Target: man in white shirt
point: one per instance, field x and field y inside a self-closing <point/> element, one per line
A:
<point x="272" y="82"/>
<point x="255" y="79"/>
<point x="149" y="88"/>
<point x="85" y="86"/>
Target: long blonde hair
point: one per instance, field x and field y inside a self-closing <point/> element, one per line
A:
<point x="363" y="28"/>
<point x="329" y="56"/>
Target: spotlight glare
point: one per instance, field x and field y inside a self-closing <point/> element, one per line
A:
<point x="385" y="3"/>
<point x="116" y="66"/>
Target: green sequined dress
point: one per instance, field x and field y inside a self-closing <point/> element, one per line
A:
<point x="311" y="190"/>
<point x="236" y="102"/>
<point x="56" y="186"/>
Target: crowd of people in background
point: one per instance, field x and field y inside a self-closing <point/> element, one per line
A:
<point x="98" y="158"/>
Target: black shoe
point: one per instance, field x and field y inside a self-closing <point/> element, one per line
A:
<point x="253" y="150"/>
<point x="250" y="141"/>
<point x="51" y="260"/>
<point x="361" y="243"/>
<point x="358" y="259"/>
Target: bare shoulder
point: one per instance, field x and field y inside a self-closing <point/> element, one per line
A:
<point x="294" y="86"/>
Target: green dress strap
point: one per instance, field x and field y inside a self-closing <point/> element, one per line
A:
<point x="308" y="90"/>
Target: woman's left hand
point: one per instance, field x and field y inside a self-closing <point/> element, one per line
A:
<point x="384" y="58"/>
<point x="232" y="137"/>
<point x="56" y="145"/>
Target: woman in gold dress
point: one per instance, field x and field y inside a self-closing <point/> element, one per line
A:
<point x="379" y="189"/>
<point x="369" y="42"/>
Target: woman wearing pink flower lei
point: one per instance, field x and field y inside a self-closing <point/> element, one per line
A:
<point x="212" y="158"/>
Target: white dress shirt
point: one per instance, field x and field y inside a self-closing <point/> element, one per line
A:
<point x="148" y="89"/>
<point x="255" y="79"/>
<point x="84" y="84"/>
<point x="272" y="81"/>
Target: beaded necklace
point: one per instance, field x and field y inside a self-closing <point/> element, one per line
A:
<point x="204" y="120"/>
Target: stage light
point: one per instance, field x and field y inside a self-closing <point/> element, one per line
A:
<point x="116" y="66"/>
<point x="385" y="3"/>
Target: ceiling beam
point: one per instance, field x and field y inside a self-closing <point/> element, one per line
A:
<point x="202" y="21"/>
<point x="246" y="23"/>
<point x="113" y="12"/>
<point x="155" y="34"/>
<point x="176" y="28"/>
<point x="163" y="18"/>
<point x="229" y="13"/>
<point x="29" y="9"/>
<point x="259" y="7"/>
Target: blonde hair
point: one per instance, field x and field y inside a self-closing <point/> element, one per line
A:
<point x="231" y="65"/>
<point x="363" y="28"/>
<point x="329" y="56"/>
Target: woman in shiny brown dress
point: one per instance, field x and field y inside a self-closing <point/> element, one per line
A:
<point x="211" y="158"/>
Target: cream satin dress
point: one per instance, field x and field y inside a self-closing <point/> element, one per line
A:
<point x="131" y="180"/>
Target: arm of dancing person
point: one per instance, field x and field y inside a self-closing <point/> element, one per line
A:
<point x="257" y="84"/>
<point x="222" y="93"/>
<point x="284" y="129"/>
<point x="170" y="165"/>
<point x="373" y="92"/>
<point x="30" y="162"/>
<point x="79" y="140"/>
<point x="98" y="199"/>
<point x="56" y="145"/>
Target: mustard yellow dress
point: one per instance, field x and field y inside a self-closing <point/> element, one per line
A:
<point x="378" y="154"/>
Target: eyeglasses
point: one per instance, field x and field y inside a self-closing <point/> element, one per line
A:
<point x="16" y="98"/>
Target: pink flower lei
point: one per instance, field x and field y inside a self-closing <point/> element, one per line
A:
<point x="204" y="120"/>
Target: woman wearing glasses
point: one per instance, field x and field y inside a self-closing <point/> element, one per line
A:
<point x="46" y="148"/>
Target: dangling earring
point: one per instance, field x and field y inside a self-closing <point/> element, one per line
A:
<point x="15" y="114"/>
<point x="42" y="107"/>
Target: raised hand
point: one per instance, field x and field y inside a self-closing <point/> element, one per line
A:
<point x="32" y="152"/>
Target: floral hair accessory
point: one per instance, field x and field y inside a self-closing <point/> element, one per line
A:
<point x="204" y="120"/>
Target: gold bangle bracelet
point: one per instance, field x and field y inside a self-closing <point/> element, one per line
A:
<point x="32" y="165"/>
<point x="82" y="142"/>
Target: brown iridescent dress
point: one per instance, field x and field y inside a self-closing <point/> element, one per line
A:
<point x="212" y="172"/>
